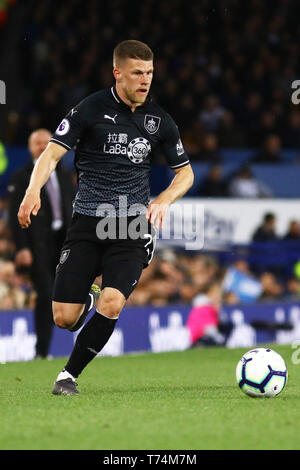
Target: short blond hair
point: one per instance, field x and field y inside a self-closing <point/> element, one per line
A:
<point x="132" y="49"/>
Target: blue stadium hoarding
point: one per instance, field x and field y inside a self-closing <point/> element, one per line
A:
<point x="157" y="329"/>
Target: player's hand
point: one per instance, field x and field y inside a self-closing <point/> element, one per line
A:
<point x="30" y="205"/>
<point x="157" y="212"/>
<point x="24" y="258"/>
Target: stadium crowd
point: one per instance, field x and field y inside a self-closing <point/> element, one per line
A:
<point x="226" y="78"/>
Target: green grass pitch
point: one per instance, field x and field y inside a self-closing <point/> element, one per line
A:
<point x="178" y="400"/>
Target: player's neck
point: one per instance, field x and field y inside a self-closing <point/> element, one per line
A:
<point x="122" y="96"/>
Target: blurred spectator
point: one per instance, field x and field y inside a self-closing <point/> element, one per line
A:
<point x="245" y="185"/>
<point x="7" y="247"/>
<point x="230" y="298"/>
<point x="13" y="290"/>
<point x="243" y="266"/>
<point x="212" y="114"/>
<point x="267" y="230"/>
<point x="267" y="125"/>
<point x="230" y="133"/>
<point x="270" y="152"/>
<point x="38" y="247"/>
<point x="188" y="114"/>
<point x="187" y="291"/>
<point x="251" y="113"/>
<point x="231" y="98"/>
<point x="271" y="288"/>
<point x="214" y="185"/>
<point x="193" y="137"/>
<point x="291" y="131"/>
<point x="241" y="282"/>
<point x="204" y="271"/>
<point x="203" y="319"/>
<point x="253" y="107"/>
<point x="296" y="269"/>
<point x="210" y="150"/>
<point x="292" y="292"/>
<point x="3" y="159"/>
<point x="293" y="232"/>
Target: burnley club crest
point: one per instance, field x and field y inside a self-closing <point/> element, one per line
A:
<point x="151" y="123"/>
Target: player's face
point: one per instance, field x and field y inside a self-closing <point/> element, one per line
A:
<point x="38" y="142"/>
<point x="133" y="80"/>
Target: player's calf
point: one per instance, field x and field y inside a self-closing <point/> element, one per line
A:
<point x="89" y="342"/>
<point x="94" y="295"/>
<point x="111" y="302"/>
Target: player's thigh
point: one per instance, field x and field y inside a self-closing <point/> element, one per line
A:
<point x="125" y="259"/>
<point x="121" y="275"/>
<point x="79" y="265"/>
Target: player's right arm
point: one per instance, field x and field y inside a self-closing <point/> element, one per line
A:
<point x="43" y="168"/>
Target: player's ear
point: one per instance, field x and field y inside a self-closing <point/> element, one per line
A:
<point x="117" y="73"/>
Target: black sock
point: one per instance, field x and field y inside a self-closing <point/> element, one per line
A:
<point x="87" y="305"/>
<point x="91" y="339"/>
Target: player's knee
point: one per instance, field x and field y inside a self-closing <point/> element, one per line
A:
<point x="60" y="320"/>
<point x="62" y="316"/>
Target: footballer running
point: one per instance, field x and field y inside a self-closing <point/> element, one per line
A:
<point x="113" y="132"/>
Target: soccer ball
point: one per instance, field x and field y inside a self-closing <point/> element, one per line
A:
<point x="261" y="373"/>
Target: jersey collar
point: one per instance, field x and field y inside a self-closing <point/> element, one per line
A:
<point x="121" y="102"/>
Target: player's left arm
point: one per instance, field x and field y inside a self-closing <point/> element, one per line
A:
<point x="181" y="183"/>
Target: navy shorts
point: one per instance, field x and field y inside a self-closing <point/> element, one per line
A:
<point x="87" y="254"/>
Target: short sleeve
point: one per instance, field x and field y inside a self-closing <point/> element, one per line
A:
<point x="172" y="146"/>
<point x="71" y="127"/>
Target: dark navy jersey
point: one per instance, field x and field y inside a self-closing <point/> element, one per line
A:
<point x="113" y="148"/>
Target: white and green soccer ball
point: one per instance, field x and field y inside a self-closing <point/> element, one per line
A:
<point x="261" y="373"/>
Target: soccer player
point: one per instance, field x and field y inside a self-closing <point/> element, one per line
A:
<point x="114" y="132"/>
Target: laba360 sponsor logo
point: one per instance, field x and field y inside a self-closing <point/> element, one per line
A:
<point x="136" y="150"/>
